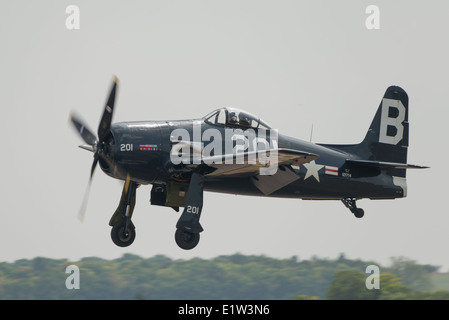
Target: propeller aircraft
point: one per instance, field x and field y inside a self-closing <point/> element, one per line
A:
<point x="233" y="151"/>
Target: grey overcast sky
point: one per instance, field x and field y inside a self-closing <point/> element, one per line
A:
<point x="294" y="63"/>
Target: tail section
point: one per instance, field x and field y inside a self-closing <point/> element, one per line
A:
<point x="387" y="137"/>
<point x="384" y="148"/>
<point x="386" y="142"/>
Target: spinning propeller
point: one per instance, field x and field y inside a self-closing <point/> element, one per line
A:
<point x="99" y="146"/>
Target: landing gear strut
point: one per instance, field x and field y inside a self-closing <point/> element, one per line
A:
<point x="123" y="231"/>
<point x="351" y="205"/>
<point x="188" y="227"/>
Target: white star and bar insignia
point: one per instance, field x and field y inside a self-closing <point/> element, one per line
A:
<point x="312" y="170"/>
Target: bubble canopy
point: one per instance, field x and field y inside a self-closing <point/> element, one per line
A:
<point x="236" y="118"/>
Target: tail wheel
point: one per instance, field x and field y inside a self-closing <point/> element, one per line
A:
<point x="350" y="203"/>
<point x="359" y="213"/>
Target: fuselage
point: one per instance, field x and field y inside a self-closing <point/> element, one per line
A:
<point x="144" y="149"/>
<point x="233" y="151"/>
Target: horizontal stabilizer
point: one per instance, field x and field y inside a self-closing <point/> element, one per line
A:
<point x="383" y="164"/>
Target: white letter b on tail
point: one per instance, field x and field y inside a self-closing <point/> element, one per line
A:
<point x="391" y="127"/>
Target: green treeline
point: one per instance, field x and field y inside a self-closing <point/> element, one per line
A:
<point x="231" y="277"/>
<point x="350" y="285"/>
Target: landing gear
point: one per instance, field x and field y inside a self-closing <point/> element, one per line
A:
<point x="121" y="235"/>
<point x="186" y="240"/>
<point x="350" y="203"/>
<point x="123" y="231"/>
<point x="187" y="235"/>
<point x="188" y="227"/>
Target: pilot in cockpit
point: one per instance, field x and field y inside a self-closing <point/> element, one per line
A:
<point x="233" y="118"/>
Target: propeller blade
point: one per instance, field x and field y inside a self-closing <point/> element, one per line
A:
<point x="94" y="165"/>
<point x="82" y="129"/>
<point x="82" y="212"/>
<point x="105" y="124"/>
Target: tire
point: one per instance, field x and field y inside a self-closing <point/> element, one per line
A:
<point x="186" y="240"/>
<point x="118" y="237"/>
<point x="359" y="213"/>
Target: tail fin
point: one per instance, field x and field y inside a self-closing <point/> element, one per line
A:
<point x="387" y="138"/>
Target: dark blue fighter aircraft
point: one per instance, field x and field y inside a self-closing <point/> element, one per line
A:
<point x="233" y="151"/>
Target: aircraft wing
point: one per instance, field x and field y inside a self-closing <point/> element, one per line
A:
<point x="268" y="171"/>
<point x="249" y="164"/>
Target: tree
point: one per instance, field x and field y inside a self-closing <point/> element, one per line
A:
<point x="412" y="274"/>
<point x="350" y="285"/>
<point x="430" y="295"/>
<point x="392" y="288"/>
<point x="305" y="297"/>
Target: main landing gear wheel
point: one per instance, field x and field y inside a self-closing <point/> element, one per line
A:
<point x="186" y="240"/>
<point x="121" y="237"/>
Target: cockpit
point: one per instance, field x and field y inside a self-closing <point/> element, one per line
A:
<point x="234" y="117"/>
